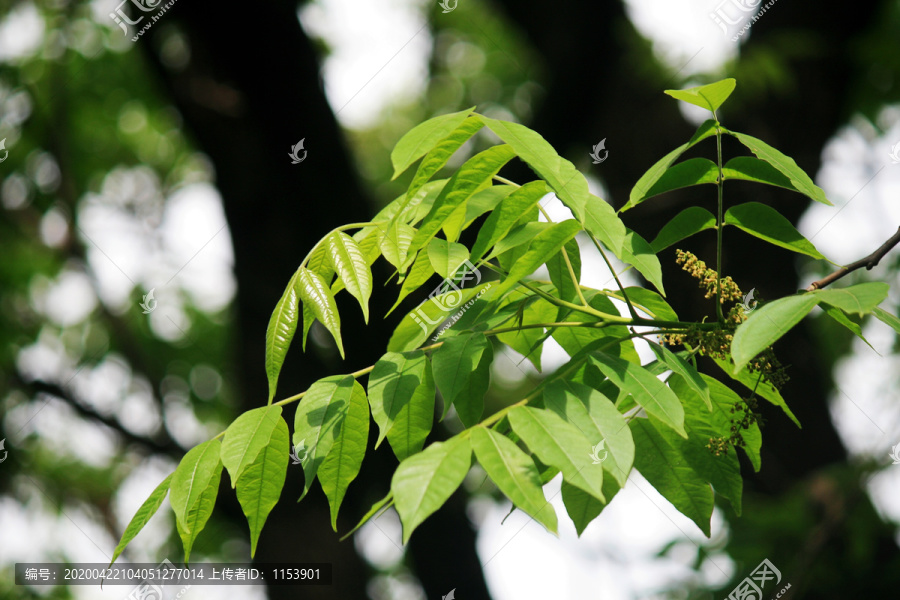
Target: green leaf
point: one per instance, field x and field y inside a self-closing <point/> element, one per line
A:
<point x="468" y="179"/>
<point x="767" y="324"/>
<point x="767" y="224"/>
<point x="636" y="251"/>
<point x="648" y="391"/>
<point x="414" y="419"/>
<point x="597" y="418"/>
<point x="446" y="257"/>
<point x="143" y="515"/>
<point x="462" y="372"/>
<point x="693" y="171"/>
<point x="423" y="137"/>
<point x="686" y="370"/>
<point x="309" y="317"/>
<point x="654" y="173"/>
<point x="575" y="339"/>
<point x="420" y="273"/>
<point x="669" y="472"/>
<point x="860" y="299"/>
<point x="420" y="322"/>
<point x="259" y="485"/>
<point x="785" y="164"/>
<point x="246" y="436"/>
<point x="560" y="174"/>
<point x="748" y="168"/>
<point x="527" y="342"/>
<point x="352" y="268"/>
<point x="514" y="473"/>
<point x="887" y="318"/>
<point x="438" y="156"/>
<point x="485" y="201"/>
<point x="198" y="515"/>
<point x="703" y="425"/>
<point x="343" y="461"/>
<point x="279" y="333"/>
<point x="710" y="96"/>
<point x="546" y="244"/>
<point x="688" y="222"/>
<point x="724" y="399"/>
<point x="392" y="383"/>
<point x="197" y="469"/>
<point x="559" y="270"/>
<point x="318" y="419"/>
<point x="519" y="238"/>
<point x="841" y="318"/>
<point x="583" y="507"/>
<point x="651" y="303"/>
<point x="559" y="444"/>
<point x="193" y="490"/>
<point x="754" y="383"/>
<point x="315" y="292"/>
<point x="395" y="244"/>
<point x="424" y="481"/>
<point x="320" y="262"/>
<point x="505" y="216"/>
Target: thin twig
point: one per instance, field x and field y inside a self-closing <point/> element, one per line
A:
<point x="868" y="262"/>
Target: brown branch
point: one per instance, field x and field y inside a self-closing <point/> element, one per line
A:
<point x="868" y="262"/>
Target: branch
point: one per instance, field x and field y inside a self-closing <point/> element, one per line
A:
<point x="868" y="262"/>
<point x="161" y="443"/>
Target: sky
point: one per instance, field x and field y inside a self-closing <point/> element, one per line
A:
<point x="180" y="247"/>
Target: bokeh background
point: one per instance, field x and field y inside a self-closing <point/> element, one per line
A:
<point x="162" y="165"/>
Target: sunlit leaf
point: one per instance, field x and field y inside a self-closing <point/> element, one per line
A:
<point x="785" y="164"/>
<point x="514" y="473"/>
<point x="315" y="292"/>
<point x="280" y="332"/>
<point x="246" y="436"/>
<point x="767" y="224"/>
<point x="710" y="96"/>
<point x="318" y="420"/>
<point x="419" y="140"/>
<point x="259" y="485"/>
<point x="424" y="481"/>
<point x="343" y="461"/>
<point x="352" y="268"/>
<point x="143" y="516"/>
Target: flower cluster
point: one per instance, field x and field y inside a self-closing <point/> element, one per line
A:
<point x="716" y="343"/>
<point x="708" y="277"/>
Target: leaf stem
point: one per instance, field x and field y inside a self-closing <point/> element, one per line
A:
<point x="720" y="226"/>
<point x="615" y="276"/>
